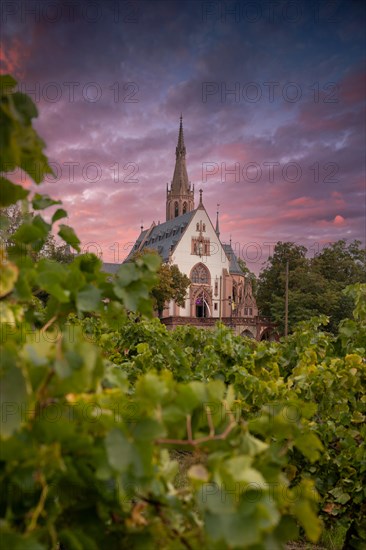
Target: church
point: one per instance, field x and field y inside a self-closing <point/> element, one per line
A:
<point x="219" y="289"/>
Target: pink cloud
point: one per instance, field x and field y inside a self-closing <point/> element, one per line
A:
<point x="303" y="201"/>
<point x="339" y="220"/>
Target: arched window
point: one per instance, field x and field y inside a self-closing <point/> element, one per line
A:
<point x="204" y="227"/>
<point x="197" y="226"/>
<point x="200" y="275"/>
<point x="184" y="207"/>
<point x="176" y="209"/>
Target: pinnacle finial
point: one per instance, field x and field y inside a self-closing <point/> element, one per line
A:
<point x="201" y="204"/>
<point x="217" y="230"/>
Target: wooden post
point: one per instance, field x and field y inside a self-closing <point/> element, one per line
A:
<point x="220" y="301"/>
<point x="286" y="301"/>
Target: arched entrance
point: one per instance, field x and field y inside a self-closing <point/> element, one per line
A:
<point x="201" y="291"/>
<point x="202" y="307"/>
<point x="201" y="301"/>
<point x="268" y="335"/>
<point x="247" y="333"/>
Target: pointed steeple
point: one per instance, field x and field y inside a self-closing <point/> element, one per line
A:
<point x="180" y="196"/>
<point x="180" y="149"/>
<point x="217" y="230"/>
<point x="180" y="183"/>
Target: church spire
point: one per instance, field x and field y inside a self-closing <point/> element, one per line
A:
<point x="180" y="149"/>
<point x="180" y="196"/>
<point x="217" y="230"/>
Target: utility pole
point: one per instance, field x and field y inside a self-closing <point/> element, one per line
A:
<point x="286" y="301"/>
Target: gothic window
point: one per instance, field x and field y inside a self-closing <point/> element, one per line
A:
<point x="184" y="207"/>
<point x="197" y="227"/>
<point x="200" y="275"/>
<point x="216" y="287"/>
<point x="175" y="209"/>
<point x="201" y="246"/>
<point x="204" y="227"/>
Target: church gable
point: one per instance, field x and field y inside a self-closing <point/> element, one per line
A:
<point x="200" y="243"/>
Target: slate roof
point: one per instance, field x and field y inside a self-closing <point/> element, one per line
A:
<point x="234" y="264"/>
<point x="164" y="236"/>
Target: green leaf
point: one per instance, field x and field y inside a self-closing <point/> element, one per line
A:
<point x="68" y="235"/>
<point x="10" y="193"/>
<point x="239" y="469"/>
<point x="28" y="233"/>
<point x="40" y="202"/>
<point x="8" y="275"/>
<point x="18" y="542"/>
<point x="13" y="394"/>
<point x="119" y="450"/>
<point x="152" y="261"/>
<point x="340" y="496"/>
<point x="25" y="107"/>
<point x="60" y="213"/>
<point x="310" y="445"/>
<point x="7" y="84"/>
<point x="89" y="299"/>
<point x="308" y="519"/>
<point x="126" y="274"/>
<point x="232" y="530"/>
<point x="251" y="445"/>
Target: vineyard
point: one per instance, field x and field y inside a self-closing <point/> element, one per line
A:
<point x="117" y="433"/>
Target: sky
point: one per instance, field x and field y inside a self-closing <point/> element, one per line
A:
<point x="272" y="95"/>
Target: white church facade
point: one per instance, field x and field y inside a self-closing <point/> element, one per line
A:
<point x="219" y="289"/>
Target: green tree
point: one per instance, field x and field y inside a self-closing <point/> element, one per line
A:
<point x="339" y="265"/>
<point x="271" y="281"/>
<point x="315" y="285"/>
<point x="13" y="217"/>
<point x="172" y="283"/>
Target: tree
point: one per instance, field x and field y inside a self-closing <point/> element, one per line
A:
<point x="315" y="285"/>
<point x="172" y="284"/>
<point x="340" y="265"/>
<point x="271" y="281"/>
<point x="12" y="218"/>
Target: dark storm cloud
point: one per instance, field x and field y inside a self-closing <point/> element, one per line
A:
<point x="257" y="83"/>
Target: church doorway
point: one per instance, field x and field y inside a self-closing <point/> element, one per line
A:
<point x="201" y="308"/>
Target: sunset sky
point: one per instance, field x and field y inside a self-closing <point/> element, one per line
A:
<point x="272" y="96"/>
